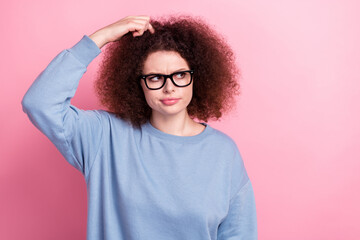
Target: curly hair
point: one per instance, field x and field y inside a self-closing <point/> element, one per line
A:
<point x="207" y="53"/>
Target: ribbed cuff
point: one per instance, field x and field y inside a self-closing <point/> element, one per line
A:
<point x="85" y="50"/>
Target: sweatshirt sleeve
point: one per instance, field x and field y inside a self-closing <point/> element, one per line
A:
<point x="241" y="221"/>
<point x="76" y="133"/>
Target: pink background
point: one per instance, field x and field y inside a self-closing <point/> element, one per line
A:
<point x="296" y="122"/>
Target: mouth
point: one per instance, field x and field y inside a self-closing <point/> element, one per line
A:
<point x="169" y="101"/>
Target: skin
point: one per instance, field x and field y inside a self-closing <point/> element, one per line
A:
<point x="168" y="119"/>
<point x="172" y="119"/>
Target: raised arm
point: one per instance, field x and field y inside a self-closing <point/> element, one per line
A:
<point x="76" y="133"/>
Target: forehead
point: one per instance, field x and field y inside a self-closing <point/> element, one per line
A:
<point x="164" y="62"/>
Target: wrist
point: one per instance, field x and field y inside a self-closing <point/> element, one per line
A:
<point x="99" y="38"/>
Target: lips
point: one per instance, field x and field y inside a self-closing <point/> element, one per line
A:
<point x="169" y="101"/>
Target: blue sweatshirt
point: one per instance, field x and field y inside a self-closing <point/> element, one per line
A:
<point x="142" y="183"/>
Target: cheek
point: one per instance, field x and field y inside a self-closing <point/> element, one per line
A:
<point x="190" y="91"/>
<point x="150" y="96"/>
<point x="145" y="92"/>
<point x="187" y="96"/>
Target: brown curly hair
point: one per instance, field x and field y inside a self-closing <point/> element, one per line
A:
<point x="207" y="53"/>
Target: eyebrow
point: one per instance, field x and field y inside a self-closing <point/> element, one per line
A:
<point x="181" y="69"/>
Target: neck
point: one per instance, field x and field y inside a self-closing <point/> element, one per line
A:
<point x="180" y="124"/>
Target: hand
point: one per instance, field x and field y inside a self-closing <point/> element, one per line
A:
<point x="113" y="32"/>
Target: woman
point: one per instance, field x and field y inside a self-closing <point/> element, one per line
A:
<point x="152" y="171"/>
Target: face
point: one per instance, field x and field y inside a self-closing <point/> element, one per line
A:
<point x="166" y="62"/>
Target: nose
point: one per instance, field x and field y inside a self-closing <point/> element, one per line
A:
<point x="169" y="85"/>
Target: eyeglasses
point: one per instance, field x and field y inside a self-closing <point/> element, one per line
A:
<point x="157" y="81"/>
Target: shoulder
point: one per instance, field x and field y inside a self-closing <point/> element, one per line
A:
<point x="110" y="120"/>
<point x="228" y="147"/>
<point x="222" y="140"/>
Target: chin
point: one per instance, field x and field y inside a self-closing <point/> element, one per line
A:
<point x="170" y="112"/>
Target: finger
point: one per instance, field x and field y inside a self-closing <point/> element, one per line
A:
<point x="137" y="32"/>
<point x="138" y="16"/>
<point x="134" y="26"/>
<point x="141" y="31"/>
<point x="141" y="22"/>
<point x="144" y="17"/>
<point x="139" y="27"/>
<point x="151" y="28"/>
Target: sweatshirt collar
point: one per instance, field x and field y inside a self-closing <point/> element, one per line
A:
<point x="150" y="129"/>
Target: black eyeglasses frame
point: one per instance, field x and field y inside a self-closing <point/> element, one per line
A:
<point x="166" y="77"/>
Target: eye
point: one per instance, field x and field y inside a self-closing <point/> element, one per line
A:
<point x="154" y="78"/>
<point x="180" y="75"/>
